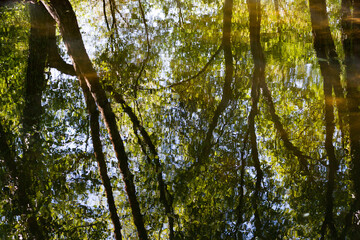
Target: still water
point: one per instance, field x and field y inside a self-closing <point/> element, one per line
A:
<point x="239" y="120"/>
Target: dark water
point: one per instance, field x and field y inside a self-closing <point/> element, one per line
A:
<point x="240" y="120"/>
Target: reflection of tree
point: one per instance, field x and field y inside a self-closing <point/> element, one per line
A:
<point x="207" y="143"/>
<point x="165" y="196"/>
<point x="100" y="158"/>
<point x="351" y="45"/>
<point x="330" y="69"/>
<point x="227" y="92"/>
<point x="55" y="61"/>
<point x="258" y="76"/>
<point x="201" y="71"/>
<point x="64" y="15"/>
<point x="188" y="184"/>
<point x="258" y="82"/>
<point x="29" y="176"/>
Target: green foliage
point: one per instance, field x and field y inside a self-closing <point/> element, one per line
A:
<point x="212" y="199"/>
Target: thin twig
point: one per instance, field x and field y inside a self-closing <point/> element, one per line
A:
<point x="201" y="71"/>
<point x="105" y="16"/>
<point x="148" y="49"/>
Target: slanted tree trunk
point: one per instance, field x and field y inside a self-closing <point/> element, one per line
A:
<point x="165" y="197"/>
<point x="100" y="158"/>
<point x="55" y="61"/>
<point x="62" y="12"/>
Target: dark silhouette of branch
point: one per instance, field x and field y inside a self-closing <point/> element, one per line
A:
<point x="201" y="71"/>
<point x="58" y="63"/>
<point x="348" y="221"/>
<point x="255" y="92"/>
<point x="54" y="58"/>
<point x="333" y="163"/>
<point x="147" y="52"/>
<point x="122" y="17"/>
<point x="181" y="20"/>
<point x="105" y="15"/>
<point x="7" y="154"/>
<point x="113" y="29"/>
<point x="330" y="126"/>
<point x="325" y="50"/>
<point x="165" y="196"/>
<point x="280" y="129"/>
<point x="258" y="76"/>
<point x="100" y="158"/>
<point x="239" y="208"/>
<point x="330" y="69"/>
<point x="278" y="17"/>
<point x="62" y="12"/>
<point x="259" y="61"/>
<point x="35" y="83"/>
<point x="351" y="45"/>
<point x="227" y="92"/>
<point x="112" y="10"/>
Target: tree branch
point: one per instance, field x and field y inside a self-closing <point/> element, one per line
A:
<point x="229" y="69"/>
<point x="54" y="58"/>
<point x="100" y="158"/>
<point x="147" y="52"/>
<point x="62" y="12"/>
<point x="258" y="76"/>
<point x="165" y="196"/>
<point x="201" y="71"/>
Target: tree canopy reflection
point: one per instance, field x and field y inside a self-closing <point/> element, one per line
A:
<point x="180" y="119"/>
